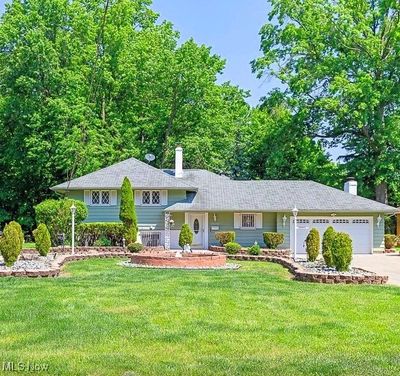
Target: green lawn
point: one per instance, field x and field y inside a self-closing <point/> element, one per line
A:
<point x="103" y="319"/>
<point x="28" y="245"/>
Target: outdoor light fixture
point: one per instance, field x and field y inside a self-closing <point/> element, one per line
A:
<point x="378" y="220"/>
<point x="295" y="211"/>
<point x="215" y="217"/>
<point x="73" y="211"/>
<point x="284" y="219"/>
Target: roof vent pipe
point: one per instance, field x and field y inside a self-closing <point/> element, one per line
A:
<point x="350" y="186"/>
<point x="179" y="162"/>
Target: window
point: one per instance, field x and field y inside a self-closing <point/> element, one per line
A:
<point x="100" y="198"/>
<point x="196" y="226"/>
<point x="248" y="221"/>
<point x="151" y="198"/>
<point x="341" y="221"/>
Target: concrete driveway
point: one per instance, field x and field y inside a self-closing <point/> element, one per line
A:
<point x="382" y="264"/>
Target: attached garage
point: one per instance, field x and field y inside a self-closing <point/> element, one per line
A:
<point x="360" y="230"/>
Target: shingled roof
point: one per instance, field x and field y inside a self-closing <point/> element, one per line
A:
<point x="218" y="193"/>
<point x="141" y="175"/>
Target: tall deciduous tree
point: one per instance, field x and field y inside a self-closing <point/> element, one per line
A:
<point x="340" y="61"/>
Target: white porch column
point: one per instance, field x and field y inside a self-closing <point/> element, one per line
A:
<point x="167" y="240"/>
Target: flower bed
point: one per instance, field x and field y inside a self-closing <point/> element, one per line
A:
<point x="268" y="252"/>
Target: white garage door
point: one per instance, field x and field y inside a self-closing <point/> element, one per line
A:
<point x="359" y="229"/>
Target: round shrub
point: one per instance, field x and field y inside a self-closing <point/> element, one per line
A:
<point x="273" y="239"/>
<point x="232" y="248"/>
<point x="390" y="241"/>
<point x="42" y="239"/>
<point x="312" y="244"/>
<point x="135" y="247"/>
<point x="327" y="241"/>
<point x="10" y="245"/>
<point x="103" y="241"/>
<point x="185" y="236"/>
<point x="225" y="237"/>
<point x="342" y="251"/>
<point x="254" y="249"/>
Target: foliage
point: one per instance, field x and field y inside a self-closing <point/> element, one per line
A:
<point x="273" y="239"/>
<point x="327" y="241"/>
<point x="232" y="248"/>
<point x="225" y="237"/>
<point x="339" y="61"/>
<point x="185" y="236"/>
<point x="342" y="251"/>
<point x="102" y="242"/>
<point x="18" y="228"/>
<point x="135" y="247"/>
<point x="56" y="215"/>
<point x="312" y="244"/>
<point x="390" y="241"/>
<point x="42" y="239"/>
<point x="254" y="249"/>
<point x="10" y="244"/>
<point x="89" y="234"/>
<point x="127" y="213"/>
<point x="84" y="85"/>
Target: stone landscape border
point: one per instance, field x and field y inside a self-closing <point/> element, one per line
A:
<point x="301" y="274"/>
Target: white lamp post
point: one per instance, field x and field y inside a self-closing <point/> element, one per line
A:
<point x="73" y="210"/>
<point x="295" y="211"/>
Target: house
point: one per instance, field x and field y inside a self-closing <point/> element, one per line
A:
<point x="208" y="202"/>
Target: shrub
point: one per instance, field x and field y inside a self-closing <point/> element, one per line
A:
<point x="342" y="251"/>
<point x="56" y="215"/>
<point x="273" y="239"/>
<point x="127" y="213"/>
<point x="102" y="242"/>
<point x="90" y="233"/>
<point x="18" y="228"/>
<point x="390" y="241"/>
<point x="42" y="239"/>
<point x="225" y="237"/>
<point x="312" y="244"/>
<point x="327" y="241"/>
<point x="135" y="247"/>
<point x="10" y="244"/>
<point x="232" y="248"/>
<point x="254" y="249"/>
<point x="185" y="236"/>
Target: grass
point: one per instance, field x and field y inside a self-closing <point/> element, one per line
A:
<point x="28" y="245"/>
<point x="103" y="319"/>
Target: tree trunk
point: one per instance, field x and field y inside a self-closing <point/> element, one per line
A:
<point x="381" y="193"/>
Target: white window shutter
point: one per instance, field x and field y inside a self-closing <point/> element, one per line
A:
<point x="164" y="197"/>
<point x="87" y="198"/>
<point x="237" y="218"/>
<point x="113" y="197"/>
<point x="259" y="220"/>
<point x="138" y="198"/>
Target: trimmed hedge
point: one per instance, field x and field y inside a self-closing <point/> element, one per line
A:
<point x="254" y="249"/>
<point x="42" y="239"/>
<point x="312" y="244"/>
<point x="273" y="239"/>
<point x="327" y="241"/>
<point x="56" y="215"/>
<point x="342" y="251"/>
<point x="89" y="234"/>
<point x="10" y="244"/>
<point x="135" y="247"/>
<point x="225" y="237"/>
<point x="232" y="248"/>
<point x="185" y="236"/>
<point x="390" y="241"/>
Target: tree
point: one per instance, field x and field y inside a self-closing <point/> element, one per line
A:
<point x="327" y="241"/>
<point x="10" y="245"/>
<point x="127" y="213"/>
<point x="340" y="61"/>
<point x="312" y="244"/>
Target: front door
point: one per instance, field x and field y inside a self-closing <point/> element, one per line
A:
<point x="196" y="223"/>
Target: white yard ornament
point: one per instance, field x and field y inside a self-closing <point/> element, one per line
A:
<point x="178" y="253"/>
<point x="186" y="248"/>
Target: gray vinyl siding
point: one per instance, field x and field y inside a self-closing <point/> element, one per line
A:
<point x="246" y="238"/>
<point x="378" y="232"/>
<point x="147" y="215"/>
